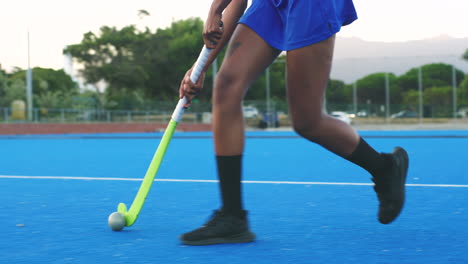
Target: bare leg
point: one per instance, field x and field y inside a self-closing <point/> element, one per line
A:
<point x="308" y="71"/>
<point x="247" y="57"/>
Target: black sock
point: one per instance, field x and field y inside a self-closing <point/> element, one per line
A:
<point x="369" y="159"/>
<point x="229" y="174"/>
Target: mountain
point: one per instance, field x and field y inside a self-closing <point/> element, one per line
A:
<point x="355" y="58"/>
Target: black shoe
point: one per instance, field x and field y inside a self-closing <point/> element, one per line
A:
<point x="390" y="186"/>
<point x="220" y="229"/>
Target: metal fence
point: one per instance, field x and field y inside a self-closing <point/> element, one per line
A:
<point x="7" y="115"/>
<point x="256" y="113"/>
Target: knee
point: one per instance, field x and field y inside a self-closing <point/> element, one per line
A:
<point x="310" y="127"/>
<point x="227" y="90"/>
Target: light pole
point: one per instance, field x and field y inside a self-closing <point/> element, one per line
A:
<point x="420" y="88"/>
<point x="355" y="97"/>
<point x="29" y="87"/>
<point x="268" y="100"/>
<point x="271" y="116"/>
<point x="387" y="96"/>
<point x="454" y="95"/>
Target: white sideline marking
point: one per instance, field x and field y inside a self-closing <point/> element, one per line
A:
<point x="215" y="181"/>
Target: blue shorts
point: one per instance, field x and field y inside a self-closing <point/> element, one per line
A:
<point x="293" y="24"/>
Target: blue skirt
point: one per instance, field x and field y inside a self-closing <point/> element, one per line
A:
<point x="293" y="24"/>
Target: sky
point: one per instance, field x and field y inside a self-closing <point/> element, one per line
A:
<point x="53" y="24"/>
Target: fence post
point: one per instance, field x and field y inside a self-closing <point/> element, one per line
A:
<point x="6" y="114"/>
<point x="454" y="91"/>
<point x="420" y="89"/>
<point x="62" y="115"/>
<point x="36" y="115"/>
<point x="387" y="97"/>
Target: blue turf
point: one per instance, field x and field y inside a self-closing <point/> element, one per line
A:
<point x="65" y="221"/>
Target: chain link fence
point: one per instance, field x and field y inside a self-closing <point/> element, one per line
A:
<point x="257" y="114"/>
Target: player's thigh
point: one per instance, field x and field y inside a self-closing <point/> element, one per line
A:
<point x="246" y="58"/>
<point x="308" y="71"/>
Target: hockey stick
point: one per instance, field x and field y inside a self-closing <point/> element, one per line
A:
<point x="132" y="215"/>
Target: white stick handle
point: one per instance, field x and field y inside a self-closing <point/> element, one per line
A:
<point x="200" y="64"/>
<point x="196" y="72"/>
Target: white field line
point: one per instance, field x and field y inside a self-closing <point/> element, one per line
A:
<point x="215" y="181"/>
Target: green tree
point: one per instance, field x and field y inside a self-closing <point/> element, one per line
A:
<point x="338" y="92"/>
<point x="47" y="84"/>
<point x="433" y="75"/>
<point x="111" y="57"/>
<point x="277" y="83"/>
<point x="139" y="62"/>
<point x="462" y="93"/>
<point x="437" y="101"/>
<point x="465" y="55"/>
<point x="3" y="87"/>
<point x="86" y="100"/>
<point x="50" y="99"/>
<point x="16" y="90"/>
<point x="125" y="100"/>
<point x="48" y="80"/>
<point x="173" y="51"/>
<point x="371" y="89"/>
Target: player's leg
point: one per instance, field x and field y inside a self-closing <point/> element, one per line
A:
<point x="308" y="71"/>
<point x="247" y="57"/>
